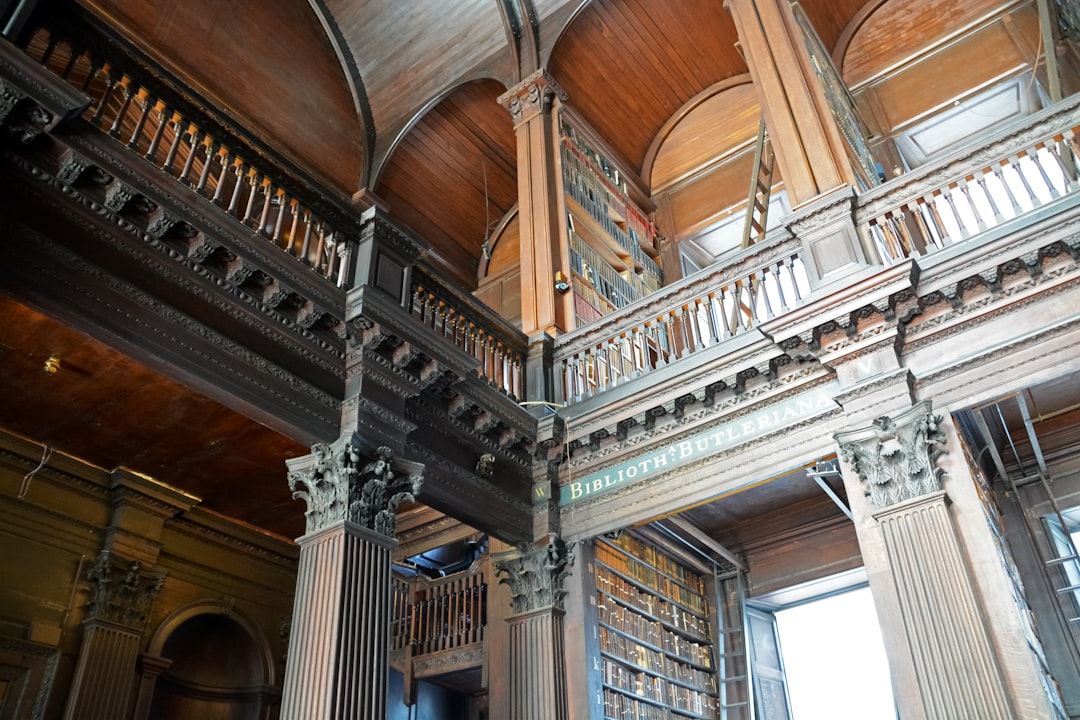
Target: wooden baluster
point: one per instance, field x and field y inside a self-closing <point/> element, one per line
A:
<point x="143" y="102"/>
<point x="776" y="270"/>
<point x="174" y="147"/>
<point x="343" y="253"/>
<point x="1000" y="175"/>
<point x="294" y="210"/>
<point x="155" y="141"/>
<point x="238" y="173"/>
<point x="981" y="181"/>
<point x="50" y="48"/>
<point x="796" y="275"/>
<point x="1069" y="175"/>
<point x="193" y="133"/>
<point x="280" y="199"/>
<point x="128" y="91"/>
<point x="307" y="238"/>
<point x="926" y="238"/>
<point x="950" y="200"/>
<point x="763" y="290"/>
<point x="980" y="224"/>
<point x="1017" y="168"/>
<point x="77" y="53"/>
<point x="891" y="251"/>
<point x="897" y="222"/>
<point x="111" y="80"/>
<point x="251" y="177"/>
<point x="223" y="176"/>
<point x="265" y="214"/>
<point x="939" y="223"/>
<point x="1036" y="158"/>
<point x="208" y="155"/>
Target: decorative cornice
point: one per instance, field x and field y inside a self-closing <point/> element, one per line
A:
<point x="532" y="96"/>
<point x="535" y="574"/>
<point x="339" y="486"/>
<point x="123" y="593"/>
<point x="895" y="458"/>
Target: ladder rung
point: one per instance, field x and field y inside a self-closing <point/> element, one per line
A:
<point x="733" y="678"/>
<point x="728" y="706"/>
<point x="1073" y="620"/>
<point x="1070" y="588"/>
<point x="1060" y="560"/>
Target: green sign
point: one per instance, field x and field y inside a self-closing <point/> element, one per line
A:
<point x="717" y="438"/>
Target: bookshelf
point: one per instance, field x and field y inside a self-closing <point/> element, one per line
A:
<point x="612" y="243"/>
<point x="654" y="633"/>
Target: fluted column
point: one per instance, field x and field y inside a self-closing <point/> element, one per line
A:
<point x="530" y="104"/>
<point x="537" y="662"/>
<point x="104" y="680"/>
<point x="956" y="667"/>
<point x="337" y="663"/>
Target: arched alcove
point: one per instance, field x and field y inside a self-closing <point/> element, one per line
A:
<point x="217" y="667"/>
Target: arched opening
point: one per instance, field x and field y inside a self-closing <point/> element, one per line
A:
<point x="216" y="672"/>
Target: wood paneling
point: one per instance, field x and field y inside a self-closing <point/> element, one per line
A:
<point x="629" y="65"/>
<point x="435" y="179"/>
<point x="274" y="72"/>
<point x="900" y="28"/>
<point x="713" y="129"/>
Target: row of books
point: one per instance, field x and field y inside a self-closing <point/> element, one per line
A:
<point x="614" y="586"/>
<point x="597" y="199"/>
<point x="667" y="565"/>
<point x="618" y="289"/>
<point x="623" y="707"/>
<point x="651" y="631"/>
<point x="619" y="706"/>
<point x="650" y="578"/>
<point x="638" y="683"/>
<point x="611" y="184"/>
<point x="624" y="648"/>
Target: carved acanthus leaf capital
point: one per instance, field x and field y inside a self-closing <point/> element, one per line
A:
<point x="895" y="458"/>
<point x="122" y="593"/>
<point x="535" y="575"/>
<point x="532" y="96"/>
<point x="339" y="483"/>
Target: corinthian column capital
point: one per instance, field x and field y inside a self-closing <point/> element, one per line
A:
<point x="535" y="574"/>
<point x="340" y="482"/>
<point x="896" y="457"/>
<point x="532" y="96"/>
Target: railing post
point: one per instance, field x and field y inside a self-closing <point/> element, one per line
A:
<point x="540" y="385"/>
<point x="833" y="249"/>
<point x="384" y="257"/>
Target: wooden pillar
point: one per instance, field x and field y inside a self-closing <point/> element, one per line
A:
<point x="537" y="657"/>
<point x="939" y="630"/>
<point x="542" y="255"/>
<point x="104" y="681"/>
<point x="809" y="147"/>
<point x="337" y="664"/>
<point x="149" y="669"/>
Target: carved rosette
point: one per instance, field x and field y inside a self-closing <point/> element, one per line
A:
<point x="122" y="593"/>
<point x="532" y="96"/>
<point x="535" y="575"/>
<point x="339" y="484"/>
<point x="896" y="457"/>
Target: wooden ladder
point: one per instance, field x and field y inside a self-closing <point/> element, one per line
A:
<point x="734" y="667"/>
<point x="757" y="208"/>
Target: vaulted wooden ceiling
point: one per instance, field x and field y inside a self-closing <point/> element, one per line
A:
<point x="401" y="98"/>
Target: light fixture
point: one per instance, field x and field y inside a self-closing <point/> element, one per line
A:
<point x="52" y="365"/>
<point x="561" y="285"/>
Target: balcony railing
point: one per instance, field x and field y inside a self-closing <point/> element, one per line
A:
<point x="1008" y="175"/>
<point x="150" y="119"/>
<point x="436" y="615"/>
<point x="472" y="327"/>
<point x="1015" y="172"/>
<point x="709" y="307"/>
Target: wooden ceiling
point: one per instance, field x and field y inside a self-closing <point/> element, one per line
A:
<point x="399" y="97"/>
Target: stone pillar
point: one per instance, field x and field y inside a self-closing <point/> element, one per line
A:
<point x="104" y="679"/>
<point x="537" y="656"/>
<point x="934" y="620"/>
<point x="337" y="662"/>
<point x="542" y="252"/>
<point x="809" y="147"/>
